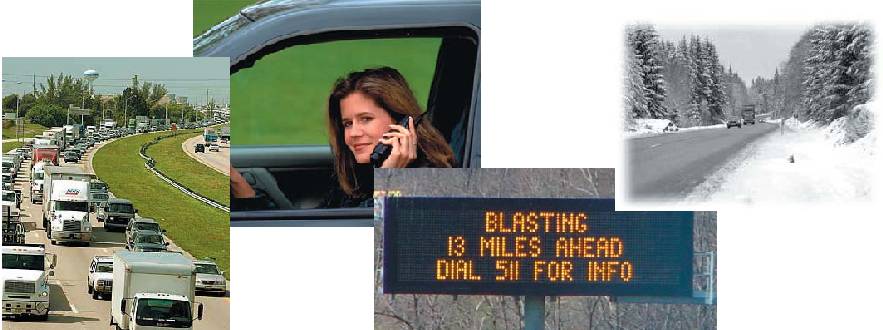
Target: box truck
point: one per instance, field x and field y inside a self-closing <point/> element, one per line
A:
<point x="26" y="269"/>
<point x="153" y="290"/>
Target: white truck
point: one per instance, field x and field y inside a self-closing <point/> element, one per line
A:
<point x="153" y="290"/>
<point x="26" y="269"/>
<point x="37" y="182"/>
<point x="68" y="211"/>
<point x="52" y="173"/>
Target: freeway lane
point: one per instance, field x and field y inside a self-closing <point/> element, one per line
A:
<point x="71" y="307"/>
<point x="217" y="160"/>
<point x="669" y="166"/>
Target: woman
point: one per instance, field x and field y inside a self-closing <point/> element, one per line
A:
<point x="364" y="109"/>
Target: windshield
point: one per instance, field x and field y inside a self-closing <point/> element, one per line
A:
<point x="71" y="206"/>
<point x="22" y="261"/>
<point x="38" y="176"/>
<point x="151" y="239"/>
<point x="163" y="313"/>
<point x="105" y="267"/>
<point x="98" y="186"/>
<point x="207" y="269"/>
<point x="9" y="196"/>
<point x="120" y="208"/>
<point x="147" y="226"/>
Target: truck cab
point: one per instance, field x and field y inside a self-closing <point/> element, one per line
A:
<point x="37" y="183"/>
<point x="748" y="114"/>
<point x="68" y="212"/>
<point x="153" y="290"/>
<point x="26" y="269"/>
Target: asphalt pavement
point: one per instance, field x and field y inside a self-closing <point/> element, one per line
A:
<point x="669" y="166"/>
<point x="217" y="160"/>
<point x="71" y="307"/>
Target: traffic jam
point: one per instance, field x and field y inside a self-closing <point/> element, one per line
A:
<point x="74" y="251"/>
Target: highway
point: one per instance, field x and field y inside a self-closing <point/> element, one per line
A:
<point x="71" y="307"/>
<point x="669" y="166"/>
<point x="218" y="160"/>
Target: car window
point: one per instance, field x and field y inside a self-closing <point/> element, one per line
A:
<point x="282" y="98"/>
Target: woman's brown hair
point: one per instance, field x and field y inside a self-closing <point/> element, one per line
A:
<point x="390" y="91"/>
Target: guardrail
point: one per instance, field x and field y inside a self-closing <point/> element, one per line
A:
<point x="151" y="165"/>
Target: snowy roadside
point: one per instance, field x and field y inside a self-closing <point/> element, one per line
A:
<point x="651" y="127"/>
<point x="832" y="163"/>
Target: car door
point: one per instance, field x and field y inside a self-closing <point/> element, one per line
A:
<point x="291" y="164"/>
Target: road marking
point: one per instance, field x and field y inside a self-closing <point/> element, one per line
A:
<point x="656" y="145"/>
<point x="74" y="308"/>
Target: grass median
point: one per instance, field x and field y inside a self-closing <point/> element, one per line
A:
<point x="11" y="145"/>
<point x="176" y="164"/>
<point x="201" y="230"/>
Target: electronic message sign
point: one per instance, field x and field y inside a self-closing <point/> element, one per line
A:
<point x="534" y="246"/>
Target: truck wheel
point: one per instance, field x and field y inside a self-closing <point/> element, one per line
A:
<point x="90" y="288"/>
<point x="94" y="294"/>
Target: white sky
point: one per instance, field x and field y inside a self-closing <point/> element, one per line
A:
<point x="751" y="50"/>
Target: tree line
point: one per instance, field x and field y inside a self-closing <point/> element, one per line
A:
<point x="827" y="74"/>
<point x="47" y="105"/>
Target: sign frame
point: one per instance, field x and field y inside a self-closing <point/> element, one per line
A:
<point x="682" y="222"/>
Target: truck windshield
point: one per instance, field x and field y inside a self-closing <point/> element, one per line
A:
<point x="207" y="269"/>
<point x="38" y="176"/>
<point x="163" y="313"/>
<point x="120" y="208"/>
<point x="105" y="267"/>
<point x="98" y="186"/>
<point x="22" y="261"/>
<point x="72" y="206"/>
<point x="9" y="196"/>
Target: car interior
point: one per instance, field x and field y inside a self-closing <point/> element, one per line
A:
<point x="296" y="178"/>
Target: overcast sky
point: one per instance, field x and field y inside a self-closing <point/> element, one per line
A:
<point x="182" y="76"/>
<point x="751" y="50"/>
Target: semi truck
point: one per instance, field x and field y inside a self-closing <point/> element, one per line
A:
<point x="74" y="192"/>
<point x="153" y="290"/>
<point x="26" y="268"/>
<point x="748" y="114"/>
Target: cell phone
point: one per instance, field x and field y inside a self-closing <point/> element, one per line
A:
<point x="382" y="150"/>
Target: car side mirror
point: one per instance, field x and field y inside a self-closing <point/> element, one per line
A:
<point x="199" y="312"/>
<point x="123" y="306"/>
<point x="136" y="210"/>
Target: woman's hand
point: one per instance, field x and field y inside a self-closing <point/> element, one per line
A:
<point x="239" y="188"/>
<point x="404" y="145"/>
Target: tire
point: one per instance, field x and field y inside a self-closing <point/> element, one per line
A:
<point x="94" y="295"/>
<point x="90" y="290"/>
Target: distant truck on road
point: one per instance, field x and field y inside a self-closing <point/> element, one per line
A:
<point x="153" y="290"/>
<point x="25" y="280"/>
<point x="66" y="189"/>
<point x="748" y="114"/>
<point x="45" y="152"/>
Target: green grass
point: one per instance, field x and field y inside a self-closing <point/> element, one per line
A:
<point x="175" y="163"/>
<point x="283" y="98"/>
<point x="30" y="130"/>
<point x="11" y="145"/>
<point x="198" y="228"/>
<point x="208" y="13"/>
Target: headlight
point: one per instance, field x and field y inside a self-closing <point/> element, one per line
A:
<point x="44" y="293"/>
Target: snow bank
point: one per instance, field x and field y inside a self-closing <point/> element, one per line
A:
<point x="856" y="125"/>
<point x="639" y="127"/>
<point x="646" y="126"/>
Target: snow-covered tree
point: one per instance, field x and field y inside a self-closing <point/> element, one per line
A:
<point x="644" y="40"/>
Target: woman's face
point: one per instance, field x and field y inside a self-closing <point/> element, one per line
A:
<point x="364" y="122"/>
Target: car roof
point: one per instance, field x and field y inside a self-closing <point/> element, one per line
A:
<point x="204" y="262"/>
<point x="120" y="201"/>
<point x="144" y="220"/>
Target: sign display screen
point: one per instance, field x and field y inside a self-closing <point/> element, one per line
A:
<point x="534" y="246"/>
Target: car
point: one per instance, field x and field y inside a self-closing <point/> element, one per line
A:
<point x="733" y="122"/>
<point x="147" y="241"/>
<point x="71" y="156"/>
<point x="209" y="278"/>
<point x="200" y="147"/>
<point x="116" y="213"/>
<point x="100" y="278"/>
<point x="259" y="35"/>
<point x="671" y="127"/>
<point x="213" y="147"/>
<point x="141" y="224"/>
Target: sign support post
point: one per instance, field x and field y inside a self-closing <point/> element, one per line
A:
<point x="534" y="312"/>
